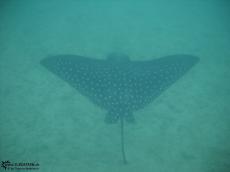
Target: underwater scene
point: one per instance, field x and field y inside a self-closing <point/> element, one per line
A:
<point x="112" y="85"/>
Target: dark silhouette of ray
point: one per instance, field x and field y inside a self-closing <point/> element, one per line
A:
<point x="117" y="84"/>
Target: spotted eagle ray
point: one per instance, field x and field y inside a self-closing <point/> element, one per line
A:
<point x="117" y="84"/>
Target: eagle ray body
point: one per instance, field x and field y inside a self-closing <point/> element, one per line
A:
<point x="117" y="84"/>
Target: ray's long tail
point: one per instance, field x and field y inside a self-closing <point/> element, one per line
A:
<point x="122" y="142"/>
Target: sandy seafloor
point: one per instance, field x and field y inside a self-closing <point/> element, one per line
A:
<point x="44" y="120"/>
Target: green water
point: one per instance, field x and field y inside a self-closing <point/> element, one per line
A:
<point x="44" y="120"/>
